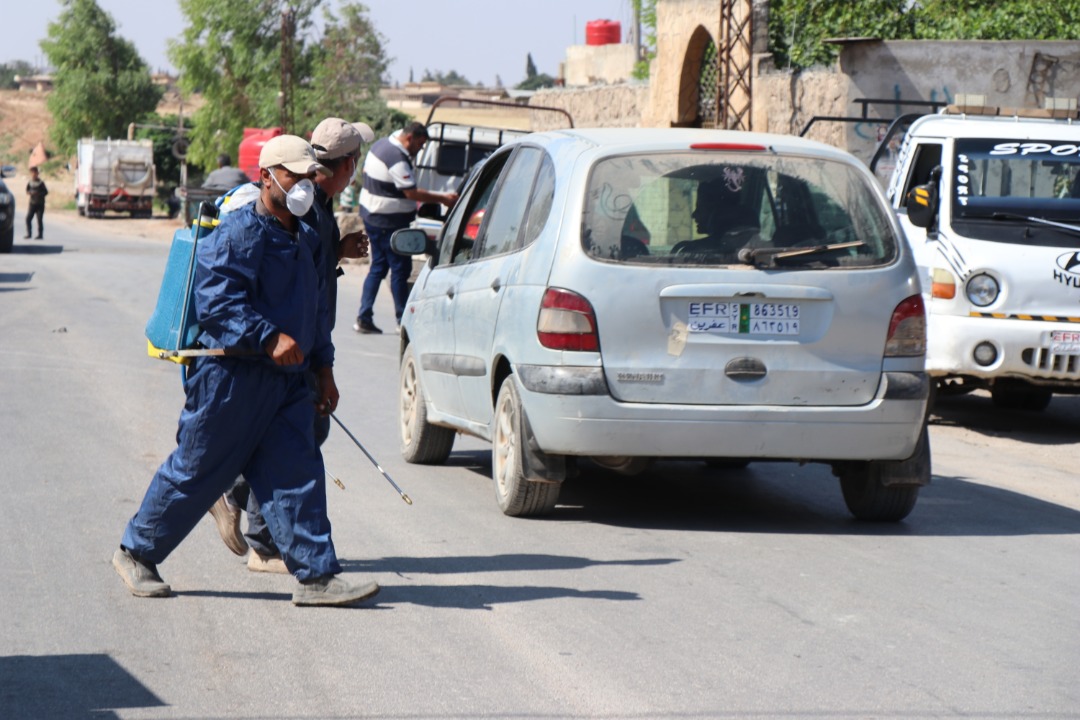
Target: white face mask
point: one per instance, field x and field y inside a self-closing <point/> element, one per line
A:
<point x="300" y="196"/>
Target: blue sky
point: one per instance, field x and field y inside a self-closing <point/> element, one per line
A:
<point x="478" y="38"/>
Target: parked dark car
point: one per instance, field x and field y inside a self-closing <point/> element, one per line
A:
<point x="7" y="211"/>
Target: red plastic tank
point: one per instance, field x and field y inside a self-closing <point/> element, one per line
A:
<point x="603" y="32"/>
<point x="251" y="146"/>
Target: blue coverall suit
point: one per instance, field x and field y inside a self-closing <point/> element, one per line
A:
<point x="246" y="415"/>
<point x="258" y="535"/>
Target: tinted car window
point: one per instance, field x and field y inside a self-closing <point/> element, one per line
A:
<point x="463" y="225"/>
<point x="504" y="221"/>
<point x="703" y="209"/>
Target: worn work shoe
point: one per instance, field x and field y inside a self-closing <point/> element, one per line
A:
<point x="366" y="327"/>
<point x="227" y="518"/>
<point x="257" y="562"/>
<point x="332" y="590"/>
<point x="141" y="578"/>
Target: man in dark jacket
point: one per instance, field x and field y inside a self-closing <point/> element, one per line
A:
<point x="36" y="191"/>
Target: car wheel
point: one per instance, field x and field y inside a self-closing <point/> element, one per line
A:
<point x="1011" y="394"/>
<point x="869" y="498"/>
<point x="515" y="494"/>
<point x="7" y="241"/>
<point x="421" y="442"/>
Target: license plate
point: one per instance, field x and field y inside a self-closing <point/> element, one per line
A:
<point x="732" y="318"/>
<point x="1065" y="342"/>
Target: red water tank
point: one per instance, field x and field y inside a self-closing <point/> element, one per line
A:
<point x="251" y="146"/>
<point x="603" y="32"/>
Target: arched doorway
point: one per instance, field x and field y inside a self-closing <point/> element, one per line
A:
<point x="715" y="81"/>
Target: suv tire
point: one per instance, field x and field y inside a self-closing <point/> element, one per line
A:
<point x="869" y="498"/>
<point x="515" y="493"/>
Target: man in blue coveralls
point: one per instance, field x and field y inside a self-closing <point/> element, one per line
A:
<point x="337" y="144"/>
<point x="259" y="296"/>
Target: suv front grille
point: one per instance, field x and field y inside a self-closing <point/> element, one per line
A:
<point x="1045" y="361"/>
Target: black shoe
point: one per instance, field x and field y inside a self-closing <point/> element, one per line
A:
<point x="366" y="327"/>
<point x="40" y="238"/>
<point x="27" y="236"/>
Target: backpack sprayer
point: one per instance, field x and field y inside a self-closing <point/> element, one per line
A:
<point x="172" y="330"/>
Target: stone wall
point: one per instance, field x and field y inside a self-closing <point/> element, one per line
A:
<point x="598" y="106"/>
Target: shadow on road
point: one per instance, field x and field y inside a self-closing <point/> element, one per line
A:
<point x="1059" y="424"/>
<point x="784" y="498"/>
<point x="24" y="249"/>
<point x="484" y="597"/>
<point x="68" y="686"/>
<point x="487" y="563"/>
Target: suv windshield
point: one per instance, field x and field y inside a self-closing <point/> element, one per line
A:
<point x="717" y="208"/>
<point x="1001" y="189"/>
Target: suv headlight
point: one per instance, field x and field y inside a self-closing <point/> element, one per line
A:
<point x="982" y="290"/>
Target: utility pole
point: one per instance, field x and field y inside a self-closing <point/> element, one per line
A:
<point x="288" y="32"/>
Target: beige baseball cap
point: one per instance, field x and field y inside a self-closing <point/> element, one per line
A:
<point x="293" y="153"/>
<point x="335" y="138"/>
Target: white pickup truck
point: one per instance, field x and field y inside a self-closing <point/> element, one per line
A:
<point x="990" y="201"/>
<point x="453" y="149"/>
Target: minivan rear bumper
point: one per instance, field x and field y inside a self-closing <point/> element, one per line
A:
<point x="887" y="428"/>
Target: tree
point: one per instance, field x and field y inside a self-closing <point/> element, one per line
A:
<point x="9" y="71"/>
<point x="530" y="67"/>
<point x="349" y="65"/>
<point x="100" y="84"/>
<point x="449" y="78"/>
<point x="645" y="11"/>
<point x="230" y="51"/>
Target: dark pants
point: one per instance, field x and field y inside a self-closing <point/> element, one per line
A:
<point x="242" y="418"/>
<point x="258" y="535"/>
<point x="31" y="211"/>
<point x="384" y="260"/>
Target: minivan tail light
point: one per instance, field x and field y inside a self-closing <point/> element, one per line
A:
<point x="566" y="322"/>
<point x="907" y="329"/>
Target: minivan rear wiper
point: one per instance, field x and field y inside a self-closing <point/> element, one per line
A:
<point x="1037" y="220"/>
<point x="769" y="257"/>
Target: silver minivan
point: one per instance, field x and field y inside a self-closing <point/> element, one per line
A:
<point x="626" y="295"/>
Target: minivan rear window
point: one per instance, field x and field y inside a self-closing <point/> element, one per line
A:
<point x="717" y="208"/>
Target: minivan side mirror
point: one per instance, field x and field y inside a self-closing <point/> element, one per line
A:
<point x="410" y="241"/>
<point x="922" y="201"/>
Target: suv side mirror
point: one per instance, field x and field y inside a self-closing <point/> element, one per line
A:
<point x="922" y="201"/>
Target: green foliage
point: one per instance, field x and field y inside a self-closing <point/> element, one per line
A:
<point x="530" y="67"/>
<point x="998" y="19"/>
<point x="348" y="66"/>
<point x="8" y="71"/>
<point x="101" y="85"/>
<point x="230" y="51"/>
<point x="168" y="167"/>
<point x="541" y="80"/>
<point x="646" y="13"/>
<point x="450" y="78"/>
<point x="797" y="28"/>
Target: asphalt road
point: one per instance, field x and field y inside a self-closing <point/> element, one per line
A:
<point x="683" y="593"/>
